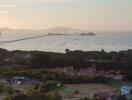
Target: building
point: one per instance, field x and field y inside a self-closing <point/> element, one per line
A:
<point x="125" y="90"/>
<point x="5" y="79"/>
<point x="118" y="77"/>
<point x="19" y="80"/>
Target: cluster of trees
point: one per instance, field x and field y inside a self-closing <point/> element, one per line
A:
<point x="121" y="60"/>
<point x="7" y="90"/>
<point x="82" y="59"/>
<point x="107" y="60"/>
<point x="38" y="92"/>
<point x="43" y="75"/>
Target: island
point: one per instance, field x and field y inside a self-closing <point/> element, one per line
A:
<point x="87" y="34"/>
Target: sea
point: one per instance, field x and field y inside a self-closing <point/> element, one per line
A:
<point x="22" y="40"/>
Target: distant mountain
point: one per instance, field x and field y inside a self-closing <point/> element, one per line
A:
<point x="62" y="29"/>
<point x="68" y="31"/>
<point x="54" y="31"/>
<point x="5" y="29"/>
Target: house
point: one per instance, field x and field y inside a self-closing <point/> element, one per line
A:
<point x="104" y="96"/>
<point x="19" y="80"/>
<point x="5" y="79"/>
<point x="125" y="90"/>
<point x="118" y="77"/>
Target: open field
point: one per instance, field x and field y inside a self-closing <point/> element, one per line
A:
<point x="85" y="90"/>
<point x="22" y="88"/>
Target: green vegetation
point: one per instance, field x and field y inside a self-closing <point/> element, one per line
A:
<point x="2" y="88"/>
<point x="36" y="93"/>
<point x="86" y="98"/>
<point x="76" y="91"/>
<point x="10" y="91"/>
<point x="78" y="59"/>
<point x="7" y="90"/>
<point x="33" y="64"/>
<point x="43" y="75"/>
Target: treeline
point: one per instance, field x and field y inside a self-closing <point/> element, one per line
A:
<point x="82" y="59"/>
<point x="121" y="60"/>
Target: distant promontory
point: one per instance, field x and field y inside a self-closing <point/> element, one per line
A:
<point x="53" y="31"/>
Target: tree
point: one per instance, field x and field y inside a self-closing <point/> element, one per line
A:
<point x="8" y="98"/>
<point x="121" y="97"/>
<point x="2" y="88"/>
<point x="36" y="95"/>
<point x="20" y="97"/>
<point x="40" y="61"/>
<point x="76" y="91"/>
<point x="3" y="54"/>
<point x="10" y="91"/>
<point x="52" y="95"/>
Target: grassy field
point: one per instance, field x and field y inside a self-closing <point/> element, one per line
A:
<point x="116" y="85"/>
<point x="22" y="88"/>
<point x="84" y="90"/>
<point x="77" y="91"/>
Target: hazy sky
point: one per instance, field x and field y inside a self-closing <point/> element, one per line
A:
<point x="93" y="15"/>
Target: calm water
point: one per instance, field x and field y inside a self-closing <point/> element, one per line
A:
<point x="108" y="42"/>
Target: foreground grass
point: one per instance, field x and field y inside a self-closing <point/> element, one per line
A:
<point x="77" y="91"/>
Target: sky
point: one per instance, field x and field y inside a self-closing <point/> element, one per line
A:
<point x="92" y="15"/>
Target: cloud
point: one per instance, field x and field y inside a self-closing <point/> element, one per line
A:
<point x="47" y="0"/>
<point x="5" y="1"/>
<point x="3" y="12"/>
<point x="7" y="6"/>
